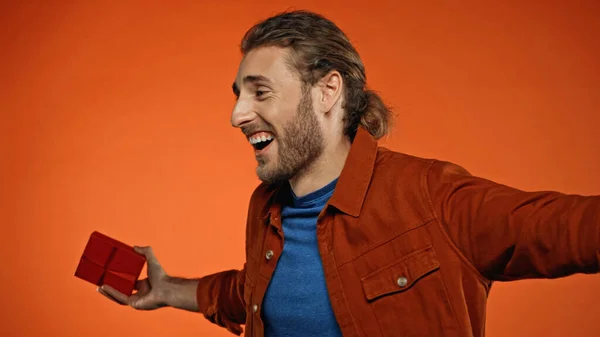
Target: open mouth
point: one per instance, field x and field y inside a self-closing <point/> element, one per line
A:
<point x="261" y="140"/>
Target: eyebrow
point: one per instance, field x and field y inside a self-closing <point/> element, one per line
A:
<point x="250" y="79"/>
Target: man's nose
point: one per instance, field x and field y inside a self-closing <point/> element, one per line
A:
<point x="242" y="113"/>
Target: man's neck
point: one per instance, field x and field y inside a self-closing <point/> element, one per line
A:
<point x="324" y="170"/>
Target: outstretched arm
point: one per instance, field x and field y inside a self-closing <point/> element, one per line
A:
<point x="510" y="234"/>
<point x="219" y="297"/>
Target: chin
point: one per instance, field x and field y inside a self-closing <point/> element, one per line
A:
<point x="269" y="176"/>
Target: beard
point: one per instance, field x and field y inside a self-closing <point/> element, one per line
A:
<point x="300" y="145"/>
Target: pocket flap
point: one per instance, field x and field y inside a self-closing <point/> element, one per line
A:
<point x="401" y="275"/>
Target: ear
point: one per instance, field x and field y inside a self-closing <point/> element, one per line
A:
<point x="330" y="87"/>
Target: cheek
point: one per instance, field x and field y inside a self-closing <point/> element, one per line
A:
<point x="278" y="114"/>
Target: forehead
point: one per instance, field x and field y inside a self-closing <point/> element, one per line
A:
<point x="270" y="62"/>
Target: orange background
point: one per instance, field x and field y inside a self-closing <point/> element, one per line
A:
<point x="115" y="117"/>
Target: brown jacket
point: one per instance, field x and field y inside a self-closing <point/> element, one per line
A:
<point x="411" y="246"/>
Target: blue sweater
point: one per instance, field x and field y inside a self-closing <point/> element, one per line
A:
<point x="296" y="302"/>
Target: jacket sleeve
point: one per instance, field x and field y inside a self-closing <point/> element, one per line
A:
<point x="220" y="299"/>
<point x="509" y="234"/>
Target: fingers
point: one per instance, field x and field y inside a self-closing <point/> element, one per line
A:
<point x="103" y="293"/>
<point x="142" y="286"/>
<point x="114" y="295"/>
<point x="145" y="302"/>
<point x="136" y="301"/>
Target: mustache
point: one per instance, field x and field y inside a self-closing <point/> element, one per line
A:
<point x="249" y="130"/>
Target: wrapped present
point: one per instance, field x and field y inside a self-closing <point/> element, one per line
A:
<point x="111" y="262"/>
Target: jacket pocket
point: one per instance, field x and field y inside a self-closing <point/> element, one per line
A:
<point x="409" y="297"/>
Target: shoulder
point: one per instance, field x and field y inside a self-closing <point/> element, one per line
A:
<point x="413" y="174"/>
<point x="400" y="163"/>
<point x="394" y="163"/>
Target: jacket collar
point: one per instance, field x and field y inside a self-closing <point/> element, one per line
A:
<point x="353" y="183"/>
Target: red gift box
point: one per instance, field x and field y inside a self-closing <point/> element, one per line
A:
<point x="111" y="262"/>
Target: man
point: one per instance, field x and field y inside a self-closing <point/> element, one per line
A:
<point x="377" y="243"/>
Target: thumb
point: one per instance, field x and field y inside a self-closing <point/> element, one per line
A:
<point x="148" y="253"/>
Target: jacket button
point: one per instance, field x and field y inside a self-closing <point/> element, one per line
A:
<point x="269" y="254"/>
<point x="255" y="308"/>
<point x="402" y="281"/>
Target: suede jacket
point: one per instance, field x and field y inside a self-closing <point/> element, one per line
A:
<point x="411" y="246"/>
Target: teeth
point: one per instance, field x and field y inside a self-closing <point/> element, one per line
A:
<point x="255" y="140"/>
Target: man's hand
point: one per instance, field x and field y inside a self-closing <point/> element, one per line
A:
<point x="152" y="292"/>
<point x="157" y="290"/>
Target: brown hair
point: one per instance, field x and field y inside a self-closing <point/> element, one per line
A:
<point x="317" y="47"/>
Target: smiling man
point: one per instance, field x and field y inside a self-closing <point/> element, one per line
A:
<point x="345" y="238"/>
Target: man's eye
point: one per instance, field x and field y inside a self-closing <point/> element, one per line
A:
<point x="259" y="93"/>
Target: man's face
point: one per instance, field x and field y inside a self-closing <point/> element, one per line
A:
<point x="276" y="115"/>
